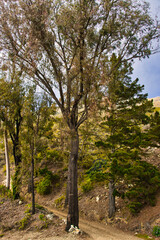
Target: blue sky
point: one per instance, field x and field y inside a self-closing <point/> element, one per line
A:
<point x="148" y="70"/>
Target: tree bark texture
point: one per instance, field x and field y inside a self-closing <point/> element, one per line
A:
<point x="16" y="183"/>
<point x="16" y="152"/>
<point x="66" y="199"/>
<point x="17" y="178"/>
<point x="7" y="160"/>
<point x="73" y="212"/>
<point x="112" y="207"/>
<point x="32" y="177"/>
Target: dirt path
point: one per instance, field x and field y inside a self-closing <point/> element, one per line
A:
<point x="93" y="230"/>
<point x="98" y="231"/>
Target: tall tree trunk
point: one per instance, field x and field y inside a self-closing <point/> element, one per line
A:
<point x="112" y="207"/>
<point x="66" y="199"/>
<point x="16" y="152"/>
<point x="16" y="182"/>
<point x="32" y="177"/>
<point x="73" y="211"/>
<point x="7" y="160"/>
<point x="17" y="178"/>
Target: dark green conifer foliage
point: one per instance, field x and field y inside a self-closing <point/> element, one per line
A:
<point x="127" y="113"/>
<point x="65" y="45"/>
<point x="154" y="131"/>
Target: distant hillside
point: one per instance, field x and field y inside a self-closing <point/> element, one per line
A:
<point x="156" y="101"/>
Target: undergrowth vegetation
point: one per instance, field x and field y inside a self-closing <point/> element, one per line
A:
<point x="4" y="192"/>
<point x="138" y="181"/>
<point x="156" y="231"/>
<point x="44" y="186"/>
<point x="25" y="221"/>
<point x="143" y="180"/>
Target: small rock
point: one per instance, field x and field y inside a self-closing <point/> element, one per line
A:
<point x="75" y="230"/>
<point x="64" y="220"/>
<point x="97" y="199"/>
<point x="50" y="216"/>
<point x="71" y="228"/>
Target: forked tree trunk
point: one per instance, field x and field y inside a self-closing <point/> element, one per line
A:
<point x="112" y="207"/>
<point x="7" y="160"/>
<point x="73" y="212"/>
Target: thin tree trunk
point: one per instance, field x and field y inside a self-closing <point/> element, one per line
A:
<point x="73" y="212"/>
<point x="112" y="207"/>
<point x="32" y="177"/>
<point x="16" y="182"/>
<point x="16" y="152"/>
<point x="17" y="178"/>
<point x="66" y="199"/>
<point x="7" y="160"/>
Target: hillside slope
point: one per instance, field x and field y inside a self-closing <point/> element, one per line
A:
<point x="93" y="207"/>
<point x="156" y="101"/>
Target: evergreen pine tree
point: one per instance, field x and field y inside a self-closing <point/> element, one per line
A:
<point x="127" y="112"/>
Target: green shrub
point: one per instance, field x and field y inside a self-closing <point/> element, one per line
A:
<point x="156" y="231"/>
<point x="5" y="192"/>
<point x="54" y="155"/>
<point x="59" y="201"/>
<point x="44" y="220"/>
<point x="44" y="187"/>
<point x="87" y="185"/>
<point x="143" y="236"/>
<point x="39" y="207"/>
<point x="29" y="207"/>
<point x="54" y="178"/>
<point x="24" y="222"/>
<point x="134" y="207"/>
<point x="44" y="171"/>
<point x="41" y="217"/>
<point x="143" y="180"/>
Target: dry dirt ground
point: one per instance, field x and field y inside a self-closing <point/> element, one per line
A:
<point x="93" y="215"/>
<point x="12" y="213"/>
